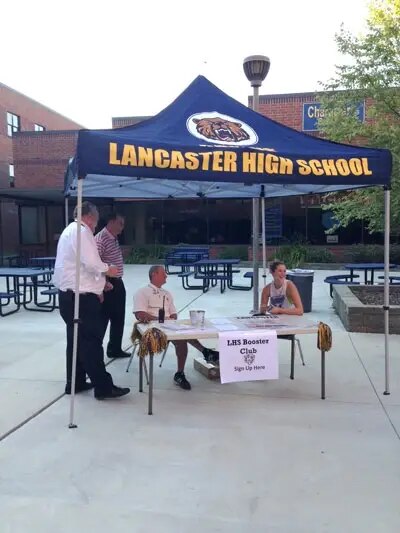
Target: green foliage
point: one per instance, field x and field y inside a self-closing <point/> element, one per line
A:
<point x="365" y="253"/>
<point x="371" y="253"/>
<point x="372" y="73"/>
<point x="150" y="253"/>
<point x="296" y="255"/>
<point x="319" y="255"/>
<point x="237" y="252"/>
<point x="292" y="255"/>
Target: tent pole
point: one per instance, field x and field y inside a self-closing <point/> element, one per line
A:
<point x="264" y="247"/>
<point x="256" y="210"/>
<point x="66" y="211"/>
<point x="76" y="302"/>
<point x="386" y="305"/>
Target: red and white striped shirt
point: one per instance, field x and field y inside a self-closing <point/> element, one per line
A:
<point x="109" y="250"/>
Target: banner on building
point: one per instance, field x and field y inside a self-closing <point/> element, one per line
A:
<point x="313" y="111"/>
<point x="273" y="219"/>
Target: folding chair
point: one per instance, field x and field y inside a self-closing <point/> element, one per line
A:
<point x="134" y="348"/>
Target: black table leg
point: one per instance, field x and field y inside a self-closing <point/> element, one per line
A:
<point x="151" y="384"/>
<point x="322" y="375"/>
<point x="292" y="358"/>
<point x="140" y="374"/>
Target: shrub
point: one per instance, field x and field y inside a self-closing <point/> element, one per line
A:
<point x="150" y="253"/>
<point x="237" y="252"/>
<point x="293" y="256"/>
<point x="365" y="253"/>
<point x="319" y="255"/>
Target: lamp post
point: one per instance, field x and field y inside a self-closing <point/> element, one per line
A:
<point x="256" y="69"/>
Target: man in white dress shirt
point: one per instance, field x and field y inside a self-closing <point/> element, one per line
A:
<point x="148" y="301"/>
<point x="90" y="356"/>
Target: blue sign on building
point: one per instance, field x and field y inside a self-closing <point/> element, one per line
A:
<point x="273" y="219"/>
<point x="313" y="111"/>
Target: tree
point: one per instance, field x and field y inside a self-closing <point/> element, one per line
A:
<point x="373" y="75"/>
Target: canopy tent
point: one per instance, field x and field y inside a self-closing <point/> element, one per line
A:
<point x="206" y="144"/>
<point x="207" y="136"/>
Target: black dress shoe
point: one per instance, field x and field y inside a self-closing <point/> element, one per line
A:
<point x="79" y="388"/>
<point x="116" y="392"/>
<point x="118" y="354"/>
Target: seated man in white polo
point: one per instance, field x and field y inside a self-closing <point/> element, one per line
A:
<point x="148" y="301"/>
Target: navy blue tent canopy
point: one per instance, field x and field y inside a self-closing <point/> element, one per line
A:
<point x="207" y="144"/>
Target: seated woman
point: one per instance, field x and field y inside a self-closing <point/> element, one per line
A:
<point x="280" y="297"/>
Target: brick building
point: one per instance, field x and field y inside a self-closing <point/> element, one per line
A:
<point x="40" y="160"/>
<point x="35" y="144"/>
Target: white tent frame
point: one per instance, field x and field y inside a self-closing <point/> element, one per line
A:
<point x="386" y="305"/>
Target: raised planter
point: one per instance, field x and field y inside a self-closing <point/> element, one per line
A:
<point x="357" y="316"/>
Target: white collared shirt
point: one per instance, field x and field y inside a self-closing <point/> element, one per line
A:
<point x="92" y="278"/>
<point x="150" y="299"/>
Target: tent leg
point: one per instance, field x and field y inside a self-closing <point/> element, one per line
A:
<point x="264" y="248"/>
<point x="76" y="304"/>
<point x="386" y="305"/>
<point x="256" y="209"/>
<point x="66" y="211"/>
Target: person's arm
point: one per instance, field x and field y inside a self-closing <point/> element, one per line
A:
<point x="140" y="304"/>
<point x="100" y="245"/>
<point x="293" y="294"/>
<point x="170" y="309"/>
<point x="265" y="299"/>
<point x="90" y="257"/>
<point x="143" y="316"/>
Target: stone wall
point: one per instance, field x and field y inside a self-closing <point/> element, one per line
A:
<point x="357" y="316"/>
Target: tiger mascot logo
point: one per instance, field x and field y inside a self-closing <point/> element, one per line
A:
<point x="249" y="358"/>
<point x="219" y="129"/>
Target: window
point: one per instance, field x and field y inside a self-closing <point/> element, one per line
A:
<point x="13" y="124"/>
<point x="11" y="175"/>
<point x="38" y="127"/>
<point x="32" y="224"/>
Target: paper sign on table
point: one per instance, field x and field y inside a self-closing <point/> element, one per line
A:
<point x="248" y="356"/>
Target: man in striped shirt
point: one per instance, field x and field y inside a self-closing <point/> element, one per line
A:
<point x="114" y="292"/>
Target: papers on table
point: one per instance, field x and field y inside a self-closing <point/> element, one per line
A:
<point x="266" y="321"/>
<point x="223" y="324"/>
<point x="175" y="326"/>
<point x="184" y="329"/>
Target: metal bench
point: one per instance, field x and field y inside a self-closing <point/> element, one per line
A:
<point x="393" y="280"/>
<point x="8" y="296"/>
<point x="51" y="303"/>
<point x="185" y="283"/>
<point x="342" y="279"/>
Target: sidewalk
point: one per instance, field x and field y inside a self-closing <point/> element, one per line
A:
<point x="245" y="457"/>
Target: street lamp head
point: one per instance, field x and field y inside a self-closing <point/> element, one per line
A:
<point x="256" y="69"/>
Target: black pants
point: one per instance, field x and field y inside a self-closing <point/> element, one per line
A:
<point x="90" y="356"/>
<point x="113" y="310"/>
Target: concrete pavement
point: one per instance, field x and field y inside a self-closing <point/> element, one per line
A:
<point x="256" y="456"/>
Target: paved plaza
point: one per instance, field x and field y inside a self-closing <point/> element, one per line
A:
<point x="253" y="457"/>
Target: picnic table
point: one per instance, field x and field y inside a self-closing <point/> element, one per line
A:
<point x="367" y="267"/>
<point x="43" y="262"/>
<point x="10" y="259"/>
<point x="18" y="287"/>
<point x="183" y="256"/>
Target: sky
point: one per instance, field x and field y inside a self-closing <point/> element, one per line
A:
<point x="93" y="60"/>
